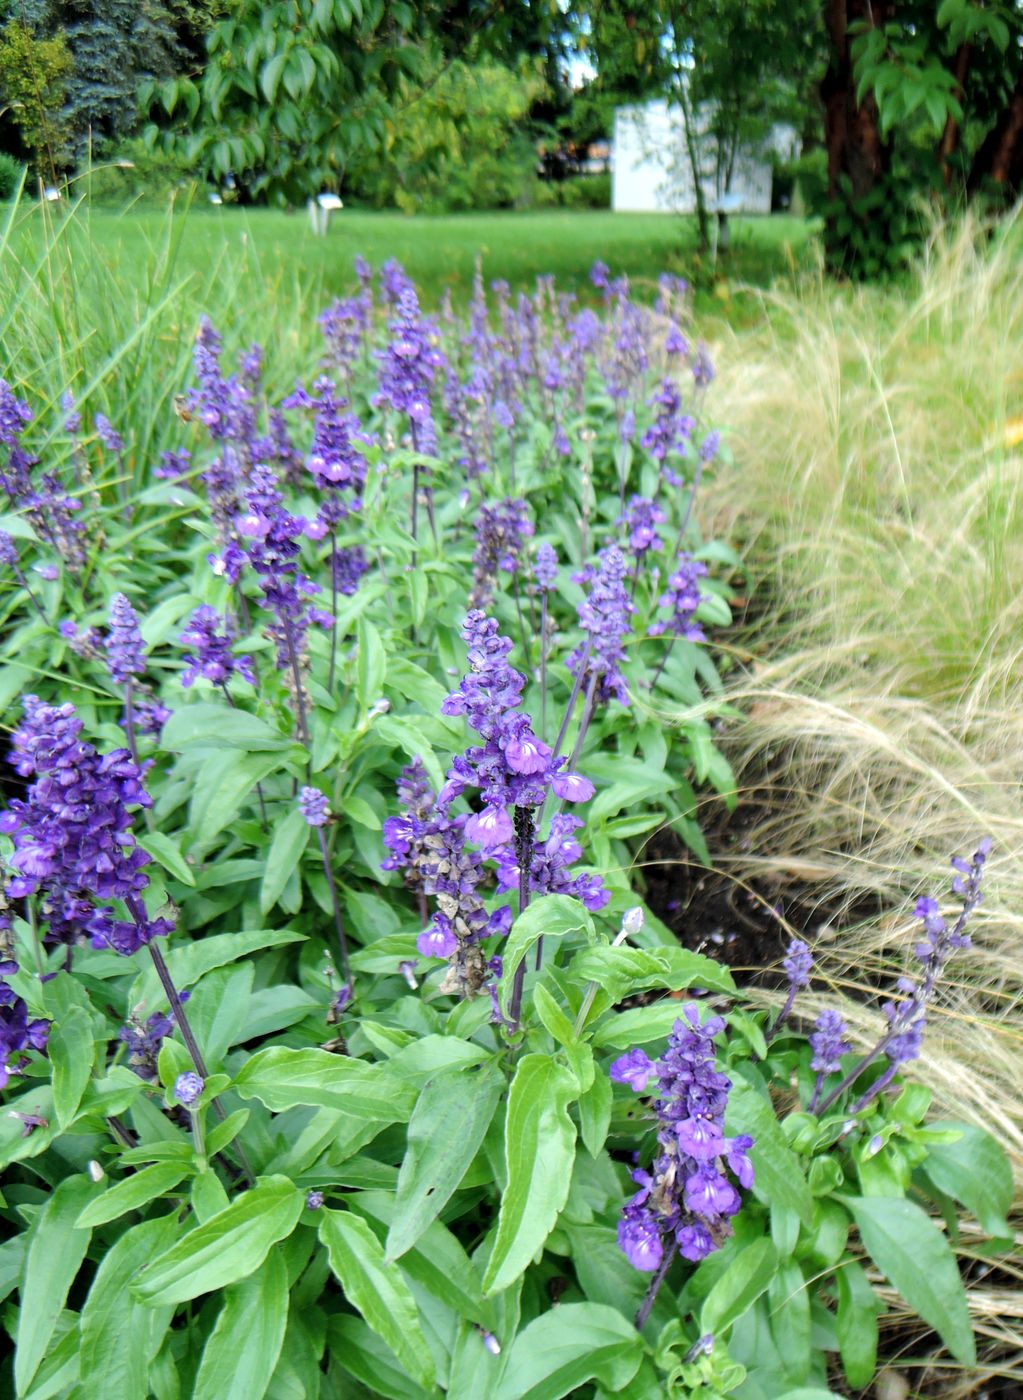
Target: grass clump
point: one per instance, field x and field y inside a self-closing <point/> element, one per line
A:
<point x="879" y="484"/>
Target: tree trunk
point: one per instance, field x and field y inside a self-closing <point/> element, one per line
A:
<point x="851" y="132"/>
<point x="702" y="222"/>
<point x="1000" y="157"/>
<point x="950" y="136"/>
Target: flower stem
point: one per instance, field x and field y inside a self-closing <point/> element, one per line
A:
<point x="523" y="852"/>
<point x="129" y="722"/>
<point x="303" y="727"/>
<point x="543" y="665"/>
<point x="646" y="1307"/>
<point x="336" y="905"/>
<point x="333" y="611"/>
<point x="32" y="597"/>
<point x="182" y="1022"/>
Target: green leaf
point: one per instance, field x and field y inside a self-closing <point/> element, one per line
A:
<point x="188" y="962"/>
<point x="71" y="1050"/>
<point x="550" y="916"/>
<point x="132" y="1193"/>
<point x="856" y="1324"/>
<point x="621" y="1030"/>
<point x="622" y="971"/>
<point x="595" y="1113"/>
<point x="227" y="1248"/>
<point x="208" y="725"/>
<point x="747" y="1276"/>
<point x="226" y="781"/>
<point x="789" y="1303"/>
<point x="777" y="1172"/>
<point x="270" y="77"/>
<point x="165" y="852"/>
<point x="539" y="1145"/>
<point x="437" y="1260"/>
<point x="290" y="839"/>
<point x="976" y="1172"/>
<point x="242" y="1351"/>
<point x="55" y="1252"/>
<point x="282" y="1078"/>
<point x="448" y="1124"/>
<point x="362" y="1354"/>
<point x="377" y="1290"/>
<point x="910" y="1250"/>
<point x="568" y="1346"/>
<point x="371" y="665"/>
<point x="120" y="1336"/>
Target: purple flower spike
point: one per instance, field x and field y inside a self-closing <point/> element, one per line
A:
<point x="682" y="597"/>
<point x="798" y="963"/>
<point x="313" y="805"/>
<point x="545" y="567"/>
<point x="686" y="1193"/>
<point x="634" y="1068"/>
<point x="125" y="655"/>
<point x="604" y="617"/>
<point x="72" y="832"/>
<point x="828" y="1042"/>
<point x="209" y="638"/>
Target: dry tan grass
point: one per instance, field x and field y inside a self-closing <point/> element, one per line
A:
<point x="877" y="489"/>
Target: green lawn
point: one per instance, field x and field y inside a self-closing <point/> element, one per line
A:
<point x="438" y="252"/>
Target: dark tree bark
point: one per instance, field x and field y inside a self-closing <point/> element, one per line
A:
<point x="950" y="136"/>
<point x="852" y="134"/>
<point x="1000" y="157"/>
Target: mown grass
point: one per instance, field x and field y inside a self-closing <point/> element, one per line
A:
<point x="878" y="484"/>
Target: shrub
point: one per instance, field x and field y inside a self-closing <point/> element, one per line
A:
<point x="11" y="175"/>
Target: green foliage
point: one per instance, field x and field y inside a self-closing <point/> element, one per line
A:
<point x="12" y="174"/>
<point x="34" y="77"/>
<point x="458" y="141"/>
<point x="424" y="1178"/>
<point x="291" y="93"/>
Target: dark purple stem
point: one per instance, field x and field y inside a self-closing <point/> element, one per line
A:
<point x="333" y="611"/>
<point x="32" y="597"/>
<point x="646" y="1307"/>
<point x="336" y="905"/>
<point x="543" y="665"/>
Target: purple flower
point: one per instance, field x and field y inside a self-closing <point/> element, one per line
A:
<point x="349" y="567"/>
<point x="641" y="519"/>
<point x="125" y="656"/>
<point x="8" y="552"/>
<point x="828" y="1042"/>
<point x="188" y="1088"/>
<point x="72" y="831"/>
<point x="209" y="638"/>
<point x="314" y="1200"/>
<point x="798" y="963"/>
<point x="672" y="429"/>
<point x="313" y="805"/>
<point x="143" y="1042"/>
<point x="686" y="1192"/>
<point x="108" y="434"/>
<point x="439" y="940"/>
<point x="408" y="368"/>
<point x="682" y="597"/>
<point x="604" y="617"/>
<point x="545" y="567"/>
<point x="501" y="531"/>
<point x="634" y="1068"/>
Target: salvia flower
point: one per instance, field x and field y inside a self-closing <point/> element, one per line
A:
<point x="313" y="805"/>
<point x="72" y="832"/>
<point x="125" y="655"/>
<point x="188" y="1088"/>
<point x="408" y="367"/>
<point x="682" y="597"/>
<point x="604" y="617"/>
<point x="640" y="520"/>
<point x="686" y="1195"/>
<point x="501" y="531"/>
<point x="143" y="1040"/>
<point x="828" y="1041"/>
<point x="17" y="1033"/>
<point x="545" y="567"/>
<point x="209" y="638"/>
<point x="108" y="434"/>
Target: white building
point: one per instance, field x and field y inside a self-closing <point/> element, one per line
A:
<point x="652" y="171"/>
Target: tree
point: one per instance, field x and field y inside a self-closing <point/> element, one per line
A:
<point x="33" y="81"/>
<point x="291" y="92"/>
<point x="920" y="101"/>
<point x="732" y="68"/>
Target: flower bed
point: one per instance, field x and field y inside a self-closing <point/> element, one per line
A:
<point x="323" y="950"/>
